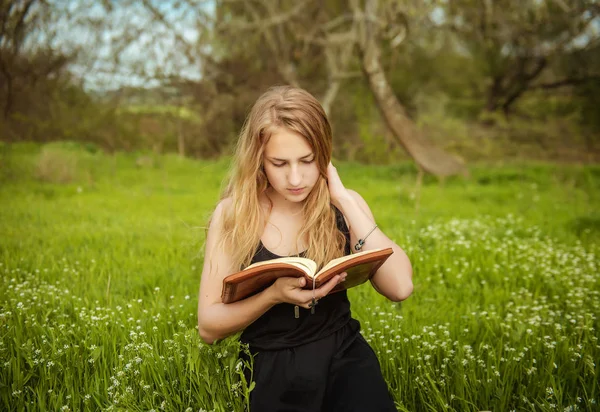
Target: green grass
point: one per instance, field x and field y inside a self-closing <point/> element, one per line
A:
<point x="100" y="277"/>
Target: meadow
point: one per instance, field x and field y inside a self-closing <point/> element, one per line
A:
<point x="101" y="256"/>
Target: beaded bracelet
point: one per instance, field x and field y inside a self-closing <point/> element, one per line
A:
<point x="361" y="242"/>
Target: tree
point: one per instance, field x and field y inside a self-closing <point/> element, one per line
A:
<point x="516" y="43"/>
<point x="23" y="64"/>
<point x="428" y="157"/>
<point x="290" y="32"/>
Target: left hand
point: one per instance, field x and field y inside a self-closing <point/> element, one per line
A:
<point x="337" y="191"/>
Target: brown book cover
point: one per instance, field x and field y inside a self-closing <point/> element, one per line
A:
<point x="359" y="266"/>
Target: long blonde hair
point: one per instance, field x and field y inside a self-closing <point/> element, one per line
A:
<point x="244" y="222"/>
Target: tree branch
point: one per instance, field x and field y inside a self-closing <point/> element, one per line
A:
<point x="18" y="34"/>
<point x="4" y="16"/>
<point x="264" y="23"/>
<point x="565" y="82"/>
<point x="283" y="65"/>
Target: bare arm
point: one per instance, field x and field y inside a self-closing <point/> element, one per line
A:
<point x="217" y="320"/>
<point x="394" y="278"/>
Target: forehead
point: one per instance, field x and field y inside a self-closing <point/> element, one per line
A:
<point x="285" y="144"/>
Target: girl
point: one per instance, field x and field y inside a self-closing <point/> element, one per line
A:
<point x="285" y="198"/>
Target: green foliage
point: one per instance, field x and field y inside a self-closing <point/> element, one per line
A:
<point x="373" y="147"/>
<point x="470" y="58"/>
<point x="173" y="111"/>
<point x="99" y="283"/>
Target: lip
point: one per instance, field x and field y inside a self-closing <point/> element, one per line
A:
<point x="296" y="191"/>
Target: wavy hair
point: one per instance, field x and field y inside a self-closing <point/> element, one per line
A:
<point x="244" y="220"/>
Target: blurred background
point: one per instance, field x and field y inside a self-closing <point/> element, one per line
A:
<point x="444" y="83"/>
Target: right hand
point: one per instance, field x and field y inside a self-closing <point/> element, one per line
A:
<point x="290" y="290"/>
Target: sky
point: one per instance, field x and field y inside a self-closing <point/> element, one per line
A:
<point x="146" y="46"/>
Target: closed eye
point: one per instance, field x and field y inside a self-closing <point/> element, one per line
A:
<point x="306" y="162"/>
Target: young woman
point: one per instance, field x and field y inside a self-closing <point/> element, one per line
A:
<point x="285" y="198"/>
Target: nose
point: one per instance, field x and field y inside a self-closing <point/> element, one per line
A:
<point x="294" y="177"/>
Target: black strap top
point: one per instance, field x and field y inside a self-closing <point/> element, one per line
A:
<point x="279" y="329"/>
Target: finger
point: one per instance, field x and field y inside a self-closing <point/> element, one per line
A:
<point x="306" y="295"/>
<point x="301" y="282"/>
<point x="326" y="287"/>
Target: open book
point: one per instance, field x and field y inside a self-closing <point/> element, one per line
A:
<point x="360" y="267"/>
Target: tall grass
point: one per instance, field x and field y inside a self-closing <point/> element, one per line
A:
<point x="99" y="280"/>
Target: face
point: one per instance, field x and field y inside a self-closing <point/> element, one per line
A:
<point x="290" y="166"/>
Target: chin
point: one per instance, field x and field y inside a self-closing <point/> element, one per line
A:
<point x="295" y="198"/>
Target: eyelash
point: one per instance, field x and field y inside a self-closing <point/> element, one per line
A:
<point x="306" y="162"/>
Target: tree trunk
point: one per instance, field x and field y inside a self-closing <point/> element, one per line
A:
<point x="493" y="94"/>
<point x="337" y="64"/>
<point x="180" y="135"/>
<point x="428" y="157"/>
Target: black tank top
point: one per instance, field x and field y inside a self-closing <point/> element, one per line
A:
<point x="279" y="329"/>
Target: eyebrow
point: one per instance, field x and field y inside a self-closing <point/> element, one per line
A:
<point x="285" y="160"/>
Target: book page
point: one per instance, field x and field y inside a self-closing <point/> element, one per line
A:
<point x="306" y="265"/>
<point x="334" y="262"/>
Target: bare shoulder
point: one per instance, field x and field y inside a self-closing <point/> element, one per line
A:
<point x="216" y="218"/>
<point x="222" y="207"/>
<point x="355" y="195"/>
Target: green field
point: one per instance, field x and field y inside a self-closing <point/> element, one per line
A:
<point x="100" y="258"/>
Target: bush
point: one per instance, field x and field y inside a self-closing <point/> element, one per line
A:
<point x="56" y="165"/>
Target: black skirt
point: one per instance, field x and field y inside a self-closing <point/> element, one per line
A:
<point x="339" y="372"/>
